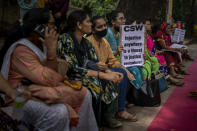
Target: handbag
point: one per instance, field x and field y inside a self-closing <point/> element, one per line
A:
<point x="73" y="84"/>
<point x="148" y="95"/>
<point x="162" y="81"/>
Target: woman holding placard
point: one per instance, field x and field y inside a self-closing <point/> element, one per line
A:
<point x="115" y="20"/>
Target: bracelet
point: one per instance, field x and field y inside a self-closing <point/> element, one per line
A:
<point x="98" y="74"/>
<point x="51" y="58"/>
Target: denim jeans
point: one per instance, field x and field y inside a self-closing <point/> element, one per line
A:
<point x="122" y="89"/>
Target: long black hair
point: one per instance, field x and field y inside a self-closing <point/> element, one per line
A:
<point x="74" y="17"/>
<point x="156" y="27"/>
<point x="80" y="49"/>
<point x="112" y="16"/>
<point x="23" y="29"/>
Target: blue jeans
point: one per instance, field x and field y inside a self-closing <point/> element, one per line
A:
<point x="123" y="89"/>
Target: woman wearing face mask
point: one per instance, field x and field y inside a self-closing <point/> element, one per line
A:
<point x="53" y="106"/>
<point x="106" y="57"/>
<point x="78" y="51"/>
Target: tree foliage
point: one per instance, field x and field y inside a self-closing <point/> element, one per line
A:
<point x="96" y="7"/>
<point x="182" y="9"/>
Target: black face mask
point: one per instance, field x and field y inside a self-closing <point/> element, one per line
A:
<point x="117" y="28"/>
<point x="101" y="33"/>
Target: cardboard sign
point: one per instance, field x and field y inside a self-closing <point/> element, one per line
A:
<point x="132" y="38"/>
<point x="179" y="35"/>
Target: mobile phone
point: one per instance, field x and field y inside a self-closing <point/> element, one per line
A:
<point x="40" y="29"/>
<point x="26" y="82"/>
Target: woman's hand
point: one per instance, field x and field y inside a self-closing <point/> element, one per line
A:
<point x="14" y="93"/>
<point x="49" y="95"/>
<point x="119" y="50"/>
<point x="145" y="57"/>
<point x="51" y="38"/>
<point x="27" y="94"/>
<point x="182" y="50"/>
<point x="160" y="52"/>
<point x="130" y="76"/>
<point x="115" y="77"/>
<point x="102" y="66"/>
<point x="108" y="71"/>
<point x="50" y="41"/>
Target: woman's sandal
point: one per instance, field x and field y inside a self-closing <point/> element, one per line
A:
<point x="177" y="83"/>
<point x="126" y="116"/>
<point x="193" y="94"/>
<point x="178" y="76"/>
<point x="184" y="72"/>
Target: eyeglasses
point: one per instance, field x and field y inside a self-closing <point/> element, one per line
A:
<point x="122" y="19"/>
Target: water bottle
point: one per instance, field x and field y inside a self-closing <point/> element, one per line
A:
<point x="19" y="104"/>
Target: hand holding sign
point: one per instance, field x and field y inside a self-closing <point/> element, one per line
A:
<point x="120" y="48"/>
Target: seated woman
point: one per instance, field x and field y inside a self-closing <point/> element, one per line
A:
<point x="115" y="20"/>
<point x="106" y="57"/>
<point x="78" y="51"/>
<point x="53" y="105"/>
<point x="172" y="57"/>
<point x="151" y="64"/>
<point x="185" y="53"/>
<point x="159" y="54"/>
<point x="6" y="122"/>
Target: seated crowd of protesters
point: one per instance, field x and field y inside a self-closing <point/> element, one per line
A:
<point x="75" y="74"/>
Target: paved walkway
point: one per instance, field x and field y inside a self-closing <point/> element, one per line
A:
<point x="146" y="115"/>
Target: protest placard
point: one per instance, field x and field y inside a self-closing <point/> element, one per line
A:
<point x="133" y="45"/>
<point x="179" y="35"/>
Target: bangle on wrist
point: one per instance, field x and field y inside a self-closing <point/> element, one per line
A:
<point x="51" y="58"/>
<point x="98" y="74"/>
